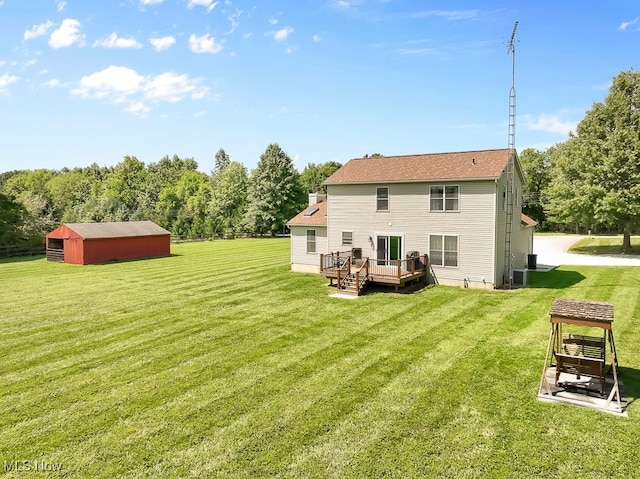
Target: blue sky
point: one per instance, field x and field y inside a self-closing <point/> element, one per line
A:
<point x="92" y="81"/>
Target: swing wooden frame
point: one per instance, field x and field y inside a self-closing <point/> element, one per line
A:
<point x="578" y="354"/>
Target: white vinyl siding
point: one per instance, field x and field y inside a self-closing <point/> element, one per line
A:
<point x="519" y="246"/>
<point x="300" y="259"/>
<point x="444" y="198"/>
<point x="349" y="208"/>
<point x="382" y="198"/>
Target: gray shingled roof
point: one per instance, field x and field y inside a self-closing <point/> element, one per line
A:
<point x="463" y="165"/>
<point x="117" y="229"/>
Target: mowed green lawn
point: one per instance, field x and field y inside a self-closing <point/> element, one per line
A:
<point x="220" y="362"/>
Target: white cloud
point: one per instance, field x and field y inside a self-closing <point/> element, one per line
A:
<point x="162" y="43"/>
<point x="61" y="5"/>
<point x="150" y="2"/>
<point x="273" y="21"/>
<point x="67" y="34"/>
<point x="448" y="14"/>
<point x="138" y="109"/>
<point x="417" y="51"/>
<point x="625" y="25"/>
<point x="208" y="4"/>
<point x="121" y="84"/>
<point x="234" y="18"/>
<point x="54" y="83"/>
<point x="5" y="81"/>
<point x="282" y="34"/>
<point x="37" y="30"/>
<point x="204" y="44"/>
<point x="113" y="82"/>
<point x="172" y="88"/>
<point x="316" y="38"/>
<point x="346" y="3"/>
<point x="114" y="41"/>
<point x="549" y="123"/>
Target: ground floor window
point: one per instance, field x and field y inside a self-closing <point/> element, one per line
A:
<point x="443" y="250"/>
<point x="347" y="238"/>
<point x="311" y="241"/>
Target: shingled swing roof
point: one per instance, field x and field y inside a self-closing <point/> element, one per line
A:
<point x="120" y="229"/>
<point x="464" y="165"/>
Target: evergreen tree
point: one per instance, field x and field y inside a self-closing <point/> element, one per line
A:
<point x="275" y="193"/>
<point x="222" y="161"/>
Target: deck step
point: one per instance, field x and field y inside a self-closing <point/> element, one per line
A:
<point x="349" y="285"/>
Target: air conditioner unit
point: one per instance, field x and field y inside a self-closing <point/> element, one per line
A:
<point x="519" y="277"/>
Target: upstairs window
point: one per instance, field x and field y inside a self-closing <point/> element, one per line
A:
<point x="382" y="198"/>
<point x="444" y="198"/>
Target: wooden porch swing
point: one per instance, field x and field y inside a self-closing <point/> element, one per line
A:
<point x="578" y="355"/>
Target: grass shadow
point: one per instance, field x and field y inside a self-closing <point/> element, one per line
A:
<point x="134" y="260"/>
<point x="631" y="383"/>
<point x="554" y="279"/>
<point x="387" y="288"/>
<point x="22" y="259"/>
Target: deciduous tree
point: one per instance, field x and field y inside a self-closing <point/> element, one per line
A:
<point x="535" y="165"/>
<point x="12" y="215"/>
<point x="314" y="175"/>
<point x="229" y="199"/>
<point x="597" y="171"/>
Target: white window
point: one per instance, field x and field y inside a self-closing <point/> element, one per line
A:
<point x="443" y="250"/>
<point x="382" y="198"/>
<point x="347" y="238"/>
<point x="311" y="241"/>
<point x="444" y="198"/>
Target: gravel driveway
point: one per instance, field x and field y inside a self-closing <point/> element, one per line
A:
<point x="552" y="251"/>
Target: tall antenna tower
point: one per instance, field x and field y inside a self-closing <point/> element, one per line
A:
<point x="508" y="199"/>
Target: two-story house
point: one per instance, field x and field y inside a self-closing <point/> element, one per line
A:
<point x="450" y="206"/>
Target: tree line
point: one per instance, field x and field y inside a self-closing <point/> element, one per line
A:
<point x="172" y="192"/>
<point x="591" y="182"/>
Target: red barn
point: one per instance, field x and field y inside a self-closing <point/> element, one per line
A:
<point x="90" y="243"/>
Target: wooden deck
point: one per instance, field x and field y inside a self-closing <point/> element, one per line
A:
<point x="345" y="269"/>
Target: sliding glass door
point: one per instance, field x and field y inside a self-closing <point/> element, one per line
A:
<point x="388" y="248"/>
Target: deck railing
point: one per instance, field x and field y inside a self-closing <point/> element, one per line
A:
<point x="342" y="272"/>
<point x="397" y="268"/>
<point x="362" y="274"/>
<point x="341" y="264"/>
<point x="334" y="261"/>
